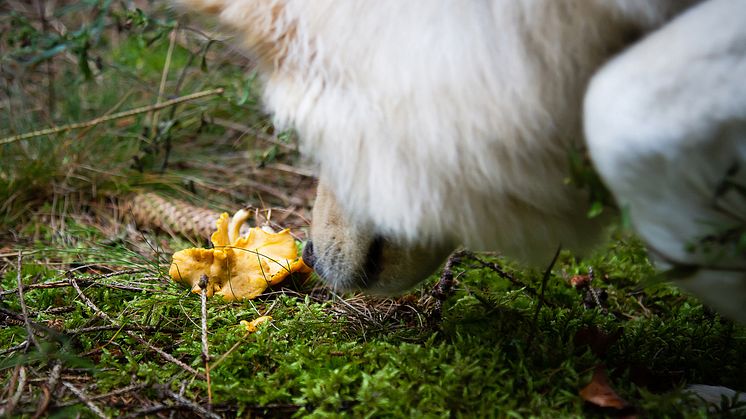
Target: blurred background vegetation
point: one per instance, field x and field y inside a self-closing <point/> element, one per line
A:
<point x="63" y="62"/>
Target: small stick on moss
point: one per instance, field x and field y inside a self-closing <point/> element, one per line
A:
<point x="84" y="398"/>
<point x="48" y="389"/>
<point x="12" y="317"/>
<point x="182" y="389"/>
<point x="182" y="401"/>
<point x="24" y="310"/>
<point x="506" y="275"/>
<point x="112" y="393"/>
<point x="444" y="288"/>
<point x="84" y="281"/>
<point x="106" y="118"/>
<point x="539" y="305"/>
<point x="135" y="336"/>
<point x="18" y="347"/>
<point x="205" y="350"/>
<point x="110" y="327"/>
<point x="10" y="406"/>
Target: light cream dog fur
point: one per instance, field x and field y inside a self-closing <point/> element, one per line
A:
<point x="437" y="123"/>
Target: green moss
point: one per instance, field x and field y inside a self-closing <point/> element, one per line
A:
<point x="487" y="355"/>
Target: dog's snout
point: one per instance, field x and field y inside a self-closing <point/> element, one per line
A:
<point x="308" y="257"/>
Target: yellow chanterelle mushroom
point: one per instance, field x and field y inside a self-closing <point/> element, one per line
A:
<point x="238" y="267"/>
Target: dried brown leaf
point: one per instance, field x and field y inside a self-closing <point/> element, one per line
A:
<point x="600" y="393"/>
<point x="579" y="281"/>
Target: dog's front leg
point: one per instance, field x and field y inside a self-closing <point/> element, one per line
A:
<point x="666" y="126"/>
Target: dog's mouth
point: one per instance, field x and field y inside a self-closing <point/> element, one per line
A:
<point x="332" y="269"/>
<point x="358" y="257"/>
<point x="387" y="269"/>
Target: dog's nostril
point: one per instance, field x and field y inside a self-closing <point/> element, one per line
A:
<point x="374" y="260"/>
<point x="308" y="257"/>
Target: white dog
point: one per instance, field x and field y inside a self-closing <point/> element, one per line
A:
<point x="436" y="123"/>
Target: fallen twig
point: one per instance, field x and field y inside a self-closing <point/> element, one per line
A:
<point x="182" y="389"/>
<point x="205" y="350"/>
<point x="116" y="392"/>
<point x="7" y="410"/>
<point x="84" y="398"/>
<point x="506" y="275"/>
<point x="190" y="404"/>
<point x="444" y="288"/>
<point x="104" y="328"/>
<point x="106" y="118"/>
<point x="12" y="315"/>
<point x="18" y="347"/>
<point x="24" y="310"/>
<point x="48" y="389"/>
<point x="116" y="273"/>
<point x="86" y="282"/>
<point x="133" y="335"/>
<point x="152" y="410"/>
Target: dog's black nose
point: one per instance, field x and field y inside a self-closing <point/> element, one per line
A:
<point x="308" y="257"/>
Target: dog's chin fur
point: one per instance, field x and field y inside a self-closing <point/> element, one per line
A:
<point x="437" y="123"/>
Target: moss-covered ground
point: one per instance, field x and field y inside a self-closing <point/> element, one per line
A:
<point x="100" y="330"/>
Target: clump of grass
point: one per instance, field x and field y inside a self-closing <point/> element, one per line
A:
<point x="79" y="62"/>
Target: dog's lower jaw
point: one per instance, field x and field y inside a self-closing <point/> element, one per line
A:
<point x="389" y="270"/>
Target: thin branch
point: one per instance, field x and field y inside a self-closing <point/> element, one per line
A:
<point x="205" y="350"/>
<point x="133" y="335"/>
<point x="119" y="115"/>
<point x="54" y="334"/>
<point x="84" y="398"/>
<point x="18" y="347"/>
<point x="444" y="288"/>
<point x="116" y="392"/>
<point x="182" y="389"/>
<point x="106" y="328"/>
<point x="7" y="410"/>
<point x="48" y="389"/>
<point x="116" y="273"/>
<point x="504" y="274"/>
<point x="87" y="281"/>
<point x="24" y="310"/>
<point x="190" y="404"/>
<point x="152" y="410"/>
